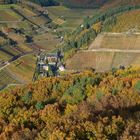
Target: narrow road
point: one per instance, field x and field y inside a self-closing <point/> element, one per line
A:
<point x="112" y="50"/>
<point x="4" y="66"/>
<point x="13" y="60"/>
<point x="36" y="50"/>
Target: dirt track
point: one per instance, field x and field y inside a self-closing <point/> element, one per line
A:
<point x="112" y="50"/>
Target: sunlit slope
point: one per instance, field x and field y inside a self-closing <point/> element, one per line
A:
<point x="108" y="51"/>
<point x="125" y="22"/>
<point x="122" y="41"/>
<point x="118" y="3"/>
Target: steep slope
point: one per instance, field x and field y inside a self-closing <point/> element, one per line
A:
<point x="46" y="2"/>
<point x="127" y="21"/>
<point x="118" y="3"/>
<point x="84" y="3"/>
<point x="97" y="3"/>
<point x="82" y="106"/>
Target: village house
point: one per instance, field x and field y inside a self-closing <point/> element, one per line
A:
<point x="50" y="64"/>
<point x="52" y="59"/>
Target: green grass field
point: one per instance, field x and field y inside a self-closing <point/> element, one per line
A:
<point x="4" y="56"/>
<point x="7" y="6"/>
<point x="8" y="15"/>
<point x="126" y="21"/>
<point x="47" y="41"/>
<point x="69" y="19"/>
<point x="23" y="68"/>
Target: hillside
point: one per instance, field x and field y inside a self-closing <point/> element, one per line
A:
<point x="107" y="51"/>
<point x="84" y="3"/>
<point x="104" y="4"/>
<point x="23" y="33"/>
<point x="125" y="22"/>
<point x="46" y="2"/>
<point x="117" y="3"/>
<point x="77" y="106"/>
<point x="92" y="48"/>
<point x="72" y="3"/>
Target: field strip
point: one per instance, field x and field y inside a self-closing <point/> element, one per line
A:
<point x="11" y="21"/>
<point x="112" y="50"/>
<point x="4" y="66"/>
<point x="122" y="33"/>
<point x="13" y="61"/>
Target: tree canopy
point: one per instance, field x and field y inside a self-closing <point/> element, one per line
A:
<point x="85" y="106"/>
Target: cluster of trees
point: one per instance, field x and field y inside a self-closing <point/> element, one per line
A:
<point x="8" y="41"/>
<point x="80" y="106"/>
<point x="72" y="3"/>
<point x="84" y="3"/>
<point x="9" y="1"/>
<point x="46" y="2"/>
<point x="77" y="42"/>
<point x="41" y="2"/>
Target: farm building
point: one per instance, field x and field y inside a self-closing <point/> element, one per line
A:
<point x="52" y="58"/>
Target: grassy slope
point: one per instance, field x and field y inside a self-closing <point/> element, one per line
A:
<point x="68" y="18"/>
<point x="116" y="41"/>
<point x="117" y="3"/>
<point x="99" y="61"/>
<point x="106" y="3"/>
<point x="84" y="3"/>
<point x="103" y="61"/>
<point x="126" y="21"/>
<point x="23" y="68"/>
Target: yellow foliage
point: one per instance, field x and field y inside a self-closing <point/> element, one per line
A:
<point x="97" y="27"/>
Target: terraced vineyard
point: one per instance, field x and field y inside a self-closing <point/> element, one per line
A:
<point x="122" y="41"/>
<point x="17" y="62"/>
<point x="125" y="22"/>
<point x="108" y="51"/>
<point x="6" y="78"/>
<point x="102" y="61"/>
<point x="23" y="68"/>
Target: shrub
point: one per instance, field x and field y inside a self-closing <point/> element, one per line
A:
<point x="137" y="86"/>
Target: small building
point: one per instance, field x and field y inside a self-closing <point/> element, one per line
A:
<point x="52" y="58"/>
<point x="82" y="26"/>
<point x="45" y="67"/>
<point x="61" y="68"/>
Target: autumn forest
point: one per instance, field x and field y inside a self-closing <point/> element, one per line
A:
<point x="80" y="106"/>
